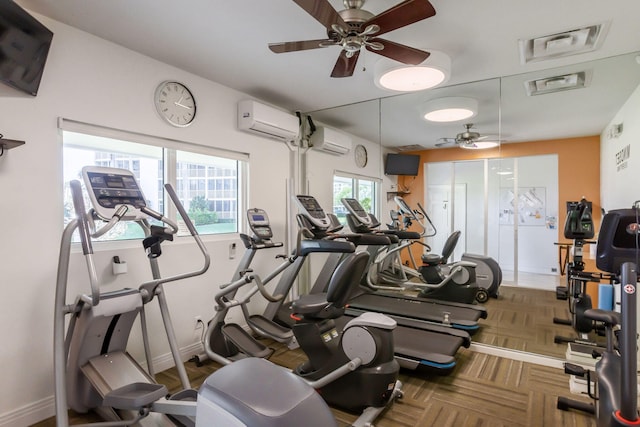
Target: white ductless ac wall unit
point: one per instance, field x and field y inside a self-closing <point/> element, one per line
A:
<point x="330" y="141"/>
<point x="267" y="121"/>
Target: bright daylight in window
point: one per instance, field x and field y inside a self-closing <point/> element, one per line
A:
<point x="363" y="189"/>
<point x="208" y="186"/>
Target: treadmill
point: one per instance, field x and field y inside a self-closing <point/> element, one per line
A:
<point x="418" y="346"/>
<point x="394" y="303"/>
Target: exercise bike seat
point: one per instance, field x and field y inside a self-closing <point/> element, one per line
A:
<point x="447" y="250"/>
<point x="258" y="393"/>
<point x="331" y="304"/>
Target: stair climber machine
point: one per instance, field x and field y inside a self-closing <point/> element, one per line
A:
<point x="579" y="228"/>
<point x="94" y="372"/>
<point x="418" y="344"/>
<point x="460" y="315"/>
<point x="365" y="345"/>
<point x="615" y="401"/>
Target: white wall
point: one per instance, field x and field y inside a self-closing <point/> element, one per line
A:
<point x="618" y="179"/>
<point x="93" y="81"/>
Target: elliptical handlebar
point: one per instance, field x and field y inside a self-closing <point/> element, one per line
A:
<point x="151" y="286"/>
<point x="85" y="240"/>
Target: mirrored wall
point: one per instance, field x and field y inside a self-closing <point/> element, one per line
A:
<point x="508" y="202"/>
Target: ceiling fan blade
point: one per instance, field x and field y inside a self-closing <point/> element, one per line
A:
<point x="323" y="12"/>
<point x="399" y="52"/>
<point x="345" y="66"/>
<point x="400" y="15"/>
<point x="299" y="45"/>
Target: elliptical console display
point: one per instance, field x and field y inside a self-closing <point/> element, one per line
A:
<point x="259" y="223"/>
<point x="110" y="188"/>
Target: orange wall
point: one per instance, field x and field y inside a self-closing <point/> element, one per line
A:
<point x="578" y="172"/>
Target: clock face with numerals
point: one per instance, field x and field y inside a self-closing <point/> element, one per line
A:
<point x="360" y="155"/>
<point x="175" y="103"/>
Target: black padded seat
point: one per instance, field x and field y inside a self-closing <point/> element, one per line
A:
<point x="257" y="392"/>
<point x="447" y="250"/>
<point x="331" y="304"/>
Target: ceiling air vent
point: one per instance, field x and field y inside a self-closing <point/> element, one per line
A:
<point x="570" y="42"/>
<point x="546" y="85"/>
<point x="414" y="147"/>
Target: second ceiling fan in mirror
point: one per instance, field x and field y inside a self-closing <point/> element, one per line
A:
<point x="354" y="28"/>
<point x="470" y="139"/>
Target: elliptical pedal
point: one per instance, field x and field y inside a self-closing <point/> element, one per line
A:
<point x="245" y="342"/>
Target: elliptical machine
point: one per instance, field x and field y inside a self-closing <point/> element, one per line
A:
<point x="353" y="368"/>
<point x="92" y="369"/>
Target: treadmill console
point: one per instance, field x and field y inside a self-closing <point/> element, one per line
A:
<point x="355" y="208"/>
<point x="109" y="188"/>
<point x="259" y="223"/>
<point x="312" y="211"/>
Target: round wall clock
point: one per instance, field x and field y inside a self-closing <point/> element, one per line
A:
<point x="175" y="103"/>
<point x="360" y="155"/>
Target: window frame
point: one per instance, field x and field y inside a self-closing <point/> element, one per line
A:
<point x="170" y="149"/>
<point x="355" y="181"/>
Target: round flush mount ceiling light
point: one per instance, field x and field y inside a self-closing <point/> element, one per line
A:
<point x="450" y="109"/>
<point x="393" y="75"/>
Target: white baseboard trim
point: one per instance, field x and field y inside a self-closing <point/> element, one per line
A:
<point x="45" y="408"/>
<point x="29" y="414"/>
<point x="521" y="356"/>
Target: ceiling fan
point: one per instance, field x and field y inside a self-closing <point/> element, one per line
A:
<point x="466" y="139"/>
<point x="354" y="28"/>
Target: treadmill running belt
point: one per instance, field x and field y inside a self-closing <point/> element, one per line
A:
<point x="458" y="317"/>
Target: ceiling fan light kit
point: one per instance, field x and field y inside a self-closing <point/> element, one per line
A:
<point x="392" y="75"/>
<point x="449" y="109"/>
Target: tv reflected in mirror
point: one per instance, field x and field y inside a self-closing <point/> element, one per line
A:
<point x="402" y="164"/>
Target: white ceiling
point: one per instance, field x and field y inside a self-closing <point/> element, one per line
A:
<point x="226" y="42"/>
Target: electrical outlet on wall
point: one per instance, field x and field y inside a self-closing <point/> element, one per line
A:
<point x="198" y="323"/>
<point x="232" y="251"/>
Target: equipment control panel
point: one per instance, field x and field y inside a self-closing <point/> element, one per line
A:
<point x="109" y="188"/>
<point x="259" y="223"/>
<point x="311" y="209"/>
<point x="355" y="208"/>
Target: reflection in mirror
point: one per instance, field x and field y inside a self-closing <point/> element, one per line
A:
<point x="556" y="132"/>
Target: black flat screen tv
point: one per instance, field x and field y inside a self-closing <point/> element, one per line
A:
<point x="402" y="164"/>
<point x="24" y="47"/>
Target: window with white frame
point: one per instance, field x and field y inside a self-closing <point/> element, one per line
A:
<point x="210" y="186"/>
<point x="364" y="189"/>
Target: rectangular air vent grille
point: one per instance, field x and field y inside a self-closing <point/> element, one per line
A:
<point x="414" y="147"/>
<point x="569" y="42"/>
<point x="553" y="84"/>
